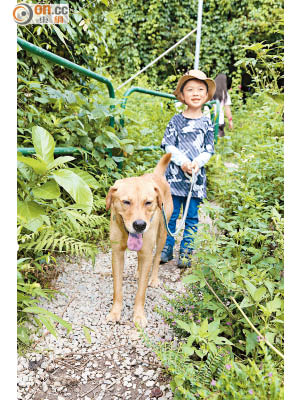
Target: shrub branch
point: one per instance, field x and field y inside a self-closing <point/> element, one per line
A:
<point x="256" y="330"/>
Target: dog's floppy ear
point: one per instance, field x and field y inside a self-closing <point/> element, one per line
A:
<point x="159" y="196"/>
<point x="109" y="196"/>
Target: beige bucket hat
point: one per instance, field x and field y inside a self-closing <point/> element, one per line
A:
<point x="195" y="74"/>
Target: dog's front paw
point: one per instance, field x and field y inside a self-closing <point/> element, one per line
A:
<point x="154" y="282"/>
<point x="114" y="316"/>
<point x="140" y="319"/>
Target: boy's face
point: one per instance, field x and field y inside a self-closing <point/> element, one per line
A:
<point x="195" y="93"/>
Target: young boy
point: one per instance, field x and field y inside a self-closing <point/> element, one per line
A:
<point x="189" y="136"/>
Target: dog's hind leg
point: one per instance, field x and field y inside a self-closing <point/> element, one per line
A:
<point x="160" y="242"/>
<point x="117" y="270"/>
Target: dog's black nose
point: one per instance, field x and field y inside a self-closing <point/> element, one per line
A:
<point x="139" y="225"/>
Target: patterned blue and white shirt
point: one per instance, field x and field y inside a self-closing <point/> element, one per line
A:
<point x="188" y="139"/>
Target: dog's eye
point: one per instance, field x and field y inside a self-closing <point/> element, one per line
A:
<point x="148" y="203"/>
<point x="126" y="202"/>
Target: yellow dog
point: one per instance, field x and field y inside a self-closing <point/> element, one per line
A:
<point x="137" y="223"/>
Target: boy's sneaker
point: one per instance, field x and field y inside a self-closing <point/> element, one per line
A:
<point x="184" y="260"/>
<point x="166" y="254"/>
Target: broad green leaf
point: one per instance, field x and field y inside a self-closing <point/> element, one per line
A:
<point x="191" y="340"/>
<point x="222" y="340"/>
<point x="59" y="161"/>
<point x="183" y="325"/>
<point x="76" y="187"/>
<point x="21" y="260"/>
<point x="274" y="305"/>
<point x="250" y="287"/>
<point x="88" y="178"/>
<point x="246" y="302"/>
<point x="178" y="380"/>
<point x="270" y="286"/>
<point x="256" y="258"/>
<point x="191" y="279"/>
<point x="203" y="328"/>
<point x="25" y="170"/>
<point x="43" y="143"/>
<point x="255" y="47"/>
<point x="212" y="347"/>
<point x="22" y="334"/>
<point x="194" y="328"/>
<point x="48" y="324"/>
<point x="251" y="341"/>
<point x="278" y="98"/>
<point x="213" y="325"/>
<point x="270" y="336"/>
<point x="201" y="353"/>
<point x="259" y="293"/>
<point x="187" y="350"/>
<point x="49" y="190"/>
<point x="34" y="224"/>
<point x="29" y="210"/>
<point x="39" y="166"/>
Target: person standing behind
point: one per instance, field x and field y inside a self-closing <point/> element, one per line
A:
<point x="223" y="96"/>
<point x="189" y="136"/>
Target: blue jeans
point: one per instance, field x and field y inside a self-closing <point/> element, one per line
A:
<point x="190" y="222"/>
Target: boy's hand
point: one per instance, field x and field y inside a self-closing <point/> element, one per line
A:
<point x="189" y="167"/>
<point x="194" y="166"/>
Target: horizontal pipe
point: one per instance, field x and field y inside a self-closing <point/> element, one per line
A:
<point x="57" y="150"/>
<point x="148" y="148"/>
<point x="65" y="63"/>
<point x="71" y="150"/>
<point x="145" y="91"/>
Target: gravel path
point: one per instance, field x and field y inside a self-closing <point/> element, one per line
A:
<point x="116" y="365"/>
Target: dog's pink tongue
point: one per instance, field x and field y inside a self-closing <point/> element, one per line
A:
<point x="135" y="241"/>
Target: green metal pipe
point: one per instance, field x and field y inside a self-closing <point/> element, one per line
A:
<point x="145" y="91"/>
<point x="68" y="64"/>
<point x="57" y="150"/>
<point x="148" y="148"/>
<point x="65" y="63"/>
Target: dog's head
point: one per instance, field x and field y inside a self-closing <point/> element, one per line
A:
<point x="135" y="200"/>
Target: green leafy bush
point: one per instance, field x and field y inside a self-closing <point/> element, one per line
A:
<point x="144" y="30"/>
<point x="237" y="268"/>
<point x="48" y="222"/>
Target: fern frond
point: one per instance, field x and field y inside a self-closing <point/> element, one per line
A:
<point x="48" y="239"/>
<point x="212" y="369"/>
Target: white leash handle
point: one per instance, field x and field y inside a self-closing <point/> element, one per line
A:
<point x="182" y="222"/>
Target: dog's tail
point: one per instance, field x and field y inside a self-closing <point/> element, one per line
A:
<point x="161" y="167"/>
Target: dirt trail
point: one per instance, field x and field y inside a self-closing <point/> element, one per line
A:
<point x="117" y="364"/>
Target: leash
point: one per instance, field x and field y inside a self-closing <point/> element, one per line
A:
<point x="193" y="180"/>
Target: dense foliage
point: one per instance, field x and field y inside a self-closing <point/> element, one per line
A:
<point x="113" y="36"/>
<point x="240" y="257"/>
<point x="230" y="319"/>
<point x="229" y="323"/>
<point x="146" y="29"/>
